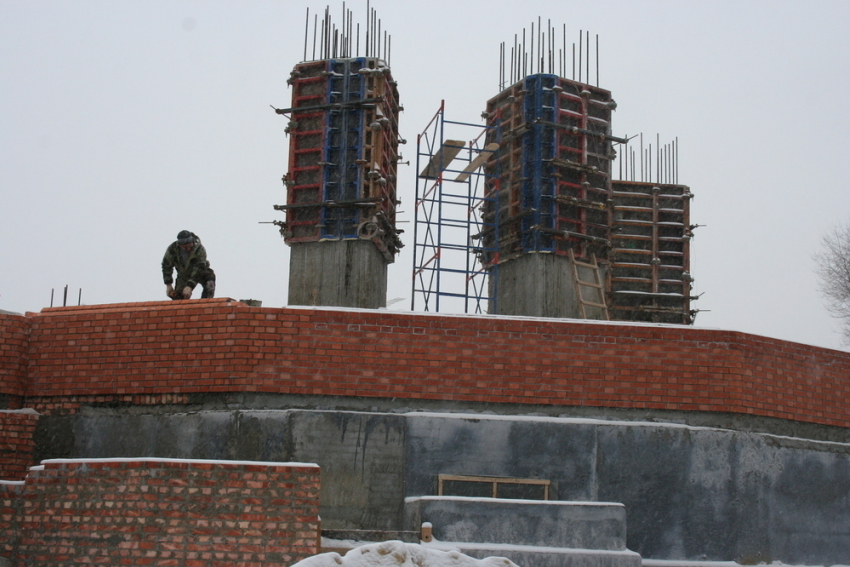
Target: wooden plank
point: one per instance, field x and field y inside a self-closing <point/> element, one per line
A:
<point x="444" y="156"/>
<point x="478" y="161"/>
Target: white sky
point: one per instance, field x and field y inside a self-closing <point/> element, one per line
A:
<point x="122" y="123"/>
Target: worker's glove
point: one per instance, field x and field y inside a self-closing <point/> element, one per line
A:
<point x="187" y="292"/>
<point x="169" y="290"/>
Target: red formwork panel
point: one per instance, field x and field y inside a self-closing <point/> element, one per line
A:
<point x="307" y="132"/>
<point x="314" y="136"/>
<point x="583" y="164"/>
<point x="575" y="173"/>
<point x="649" y="275"/>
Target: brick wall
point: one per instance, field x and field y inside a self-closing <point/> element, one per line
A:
<point x="14" y="337"/>
<point x="163" y="512"/>
<point x="143" y="352"/>
<point x="11" y="502"/>
<point x="16" y="442"/>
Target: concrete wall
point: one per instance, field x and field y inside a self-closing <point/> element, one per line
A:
<point x="361" y="454"/>
<point x="542" y="285"/>
<point x="343" y="273"/>
<point x="689" y="492"/>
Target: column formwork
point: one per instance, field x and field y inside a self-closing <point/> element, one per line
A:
<point x="551" y="186"/>
<point x="341" y="184"/>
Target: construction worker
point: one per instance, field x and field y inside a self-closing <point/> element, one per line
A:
<point x="188" y="256"/>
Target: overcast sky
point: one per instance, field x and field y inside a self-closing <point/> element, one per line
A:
<point x="122" y="123"/>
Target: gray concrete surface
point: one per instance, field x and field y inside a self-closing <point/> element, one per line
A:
<point x="554" y="557"/>
<point x="578" y="525"/>
<point x="343" y="273"/>
<point x="690" y="493"/>
<point x="542" y="285"/>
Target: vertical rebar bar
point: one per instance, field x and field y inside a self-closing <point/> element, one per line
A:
<point x="641" y="157"/>
<point x="564" y="64"/>
<point x="522" y="75"/>
<point x="580" y="42"/>
<point x="597" y="60"/>
<point x="315" y="26"/>
<point x="658" y="157"/>
<point x="306" y="33"/>
<point x="540" y="43"/>
<point x="531" y="57"/>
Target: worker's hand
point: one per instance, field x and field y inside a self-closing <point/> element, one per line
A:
<point x="169" y="290"/>
<point x="187" y="292"/>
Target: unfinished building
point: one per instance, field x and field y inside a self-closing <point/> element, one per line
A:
<point x="555" y="234"/>
<point x="217" y="432"/>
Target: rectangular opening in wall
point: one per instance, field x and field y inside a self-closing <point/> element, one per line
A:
<point x="493" y="487"/>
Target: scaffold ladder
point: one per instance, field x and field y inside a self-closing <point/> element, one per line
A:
<point x="593" y="266"/>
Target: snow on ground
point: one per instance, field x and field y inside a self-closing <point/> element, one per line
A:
<point x="400" y="554"/>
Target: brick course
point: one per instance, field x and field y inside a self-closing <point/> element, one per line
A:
<point x="161" y="511"/>
<point x="16" y="443"/>
<point x="14" y="342"/>
<point x="149" y="351"/>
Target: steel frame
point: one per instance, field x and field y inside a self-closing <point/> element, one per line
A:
<point x="448" y="223"/>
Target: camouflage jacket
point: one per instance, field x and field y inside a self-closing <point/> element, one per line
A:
<point x="192" y="267"/>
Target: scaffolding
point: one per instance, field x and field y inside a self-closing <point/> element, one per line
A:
<point x="451" y="265"/>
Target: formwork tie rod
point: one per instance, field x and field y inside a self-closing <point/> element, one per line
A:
<point x="370" y="202"/>
<point x="569" y="234"/>
<point x="577" y="130"/>
<point x="353" y="103"/>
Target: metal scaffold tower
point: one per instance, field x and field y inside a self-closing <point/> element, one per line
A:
<point x="451" y="265"/>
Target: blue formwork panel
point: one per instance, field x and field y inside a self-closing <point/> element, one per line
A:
<point x="539" y="147"/>
<point x="344" y="148"/>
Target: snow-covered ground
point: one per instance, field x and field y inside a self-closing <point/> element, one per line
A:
<point x="400" y="554"/>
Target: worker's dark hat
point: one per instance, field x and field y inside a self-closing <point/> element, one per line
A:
<point x="185" y="237"/>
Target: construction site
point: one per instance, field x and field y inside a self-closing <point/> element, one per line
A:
<point x="546" y="398"/>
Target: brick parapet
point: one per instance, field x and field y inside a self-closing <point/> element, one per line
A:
<point x="14" y="343"/>
<point x="149" y="350"/>
<point x="17" y="443"/>
<point x="164" y="512"/>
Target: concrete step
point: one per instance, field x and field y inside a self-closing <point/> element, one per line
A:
<point x="530" y="556"/>
<point x="536" y="523"/>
